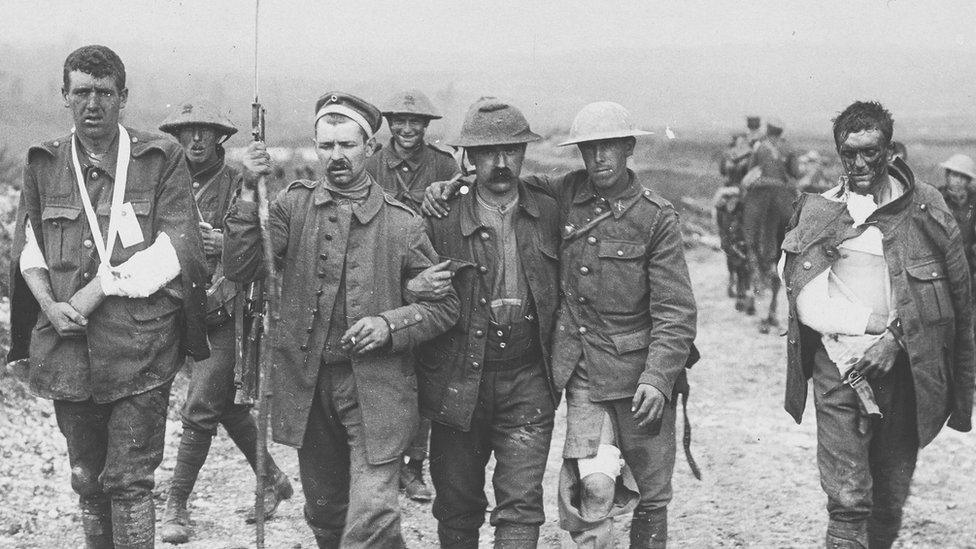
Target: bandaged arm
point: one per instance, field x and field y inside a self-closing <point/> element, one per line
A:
<point x="827" y="314"/>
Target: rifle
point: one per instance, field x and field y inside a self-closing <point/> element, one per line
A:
<point x="251" y="372"/>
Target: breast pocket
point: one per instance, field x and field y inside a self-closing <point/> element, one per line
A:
<point x="61" y="227"/>
<point x="622" y="281"/>
<point x="930" y="289"/>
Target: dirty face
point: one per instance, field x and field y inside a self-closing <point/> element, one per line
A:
<point x="606" y="161"/>
<point x="408" y="130"/>
<point x="199" y="143"/>
<point x="497" y="167"/>
<point x="95" y="104"/>
<point x="342" y="149"/>
<point x="864" y="155"/>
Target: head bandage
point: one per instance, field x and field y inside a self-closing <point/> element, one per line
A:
<point x="352" y="114"/>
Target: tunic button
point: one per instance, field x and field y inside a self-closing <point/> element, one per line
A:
<point x="417" y="317"/>
<point x="598" y="210"/>
<point x="475" y="365"/>
<point x="482" y="269"/>
<point x="500" y="333"/>
<point x="333" y="218"/>
<point x="479" y="333"/>
<point x="620" y="253"/>
<point x="581" y="299"/>
<point x="87" y="276"/>
<point x="94" y="174"/>
<point x="135" y="139"/>
<point x="319" y="291"/>
<point x="501" y="345"/>
<point x="807" y="265"/>
<point x="582" y="329"/>
<point x="406" y="169"/>
<point x="483" y="301"/>
<point x="584" y="270"/>
<point x="591" y="240"/>
<point x="328" y="237"/>
<point x="323" y="256"/>
<point x="56" y="143"/>
<point x="87" y="243"/>
<point x="485" y="235"/>
<point x="196" y="184"/>
<point x="921" y="206"/>
<point x="308" y="330"/>
<point x="934" y="274"/>
<point x="304" y="347"/>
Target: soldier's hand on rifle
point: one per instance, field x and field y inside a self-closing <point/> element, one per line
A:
<point x="879" y="358"/>
<point x="436" y="195"/>
<point x="257" y="162"/>
<point x="367" y="334"/>
<point x="213" y="239"/>
<point x="65" y="319"/>
<point x="648" y="405"/>
<point x="432" y="283"/>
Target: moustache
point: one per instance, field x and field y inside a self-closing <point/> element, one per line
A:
<point x="337" y="165"/>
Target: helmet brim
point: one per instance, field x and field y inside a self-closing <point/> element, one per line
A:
<point x="526" y="136"/>
<point x="428" y="116"/>
<point x="174" y="128"/>
<point x="600" y="136"/>
<point x="958" y="169"/>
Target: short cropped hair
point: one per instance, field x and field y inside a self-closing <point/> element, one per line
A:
<point x="861" y="116"/>
<point x="98" y="61"/>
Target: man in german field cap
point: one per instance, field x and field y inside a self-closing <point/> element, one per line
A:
<point x="201" y="128"/>
<point x="344" y="386"/>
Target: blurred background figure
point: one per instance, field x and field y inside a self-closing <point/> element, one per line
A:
<point x="728" y="217"/>
<point x="812" y="169"/>
<point x="754" y="124"/>
<point x="735" y="160"/>
<point x="960" y="172"/>
<point x="897" y="150"/>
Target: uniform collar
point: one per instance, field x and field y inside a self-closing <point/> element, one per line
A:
<point x="413" y="160"/>
<point x="109" y="161"/>
<point x="619" y="204"/>
<point x="365" y="212"/>
<point x="470" y="222"/>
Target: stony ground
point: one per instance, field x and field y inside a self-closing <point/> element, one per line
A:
<point x="760" y="486"/>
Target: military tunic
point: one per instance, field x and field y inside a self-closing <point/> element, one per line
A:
<point x="407" y="178"/>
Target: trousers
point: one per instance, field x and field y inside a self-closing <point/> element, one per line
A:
<point x="866" y="465"/>
<point x="210" y="396"/>
<point x="348" y="502"/>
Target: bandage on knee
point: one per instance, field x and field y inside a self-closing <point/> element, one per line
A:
<point x="607" y="461"/>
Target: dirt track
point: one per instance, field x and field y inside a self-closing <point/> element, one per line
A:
<point x="760" y="486"/>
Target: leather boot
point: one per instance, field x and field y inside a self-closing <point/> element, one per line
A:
<point x="176" y="523"/>
<point x="278" y="489"/>
<point x="846" y="535"/>
<point x="649" y="529"/>
<point x="134" y="523"/>
<point x="194" y="447"/>
<point x="412" y="481"/>
<point x="516" y="536"/>
<point x="96" y="521"/>
<point x="596" y="497"/>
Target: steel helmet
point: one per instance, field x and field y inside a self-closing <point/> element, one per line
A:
<point x="410" y="102"/>
<point x="601" y="120"/>
<point x="197" y="112"/>
<point x="491" y="121"/>
<point x="961" y="163"/>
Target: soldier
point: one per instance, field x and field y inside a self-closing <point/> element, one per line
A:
<point x="201" y="128"/>
<point x="486" y="383"/>
<point x="890" y="361"/>
<point x="345" y="390"/>
<point x="960" y="170"/>
<point x="755" y="133"/>
<point x="624" y="332"/>
<point x="768" y="206"/>
<point x="107" y="243"/>
<point x="408" y="164"/>
<point x="405" y="168"/>
<point x="728" y="217"/>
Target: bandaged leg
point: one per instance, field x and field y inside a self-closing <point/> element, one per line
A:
<point x="598" y="476"/>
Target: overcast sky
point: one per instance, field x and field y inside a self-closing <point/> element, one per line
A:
<point x="220" y="31"/>
<point x="803" y="60"/>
